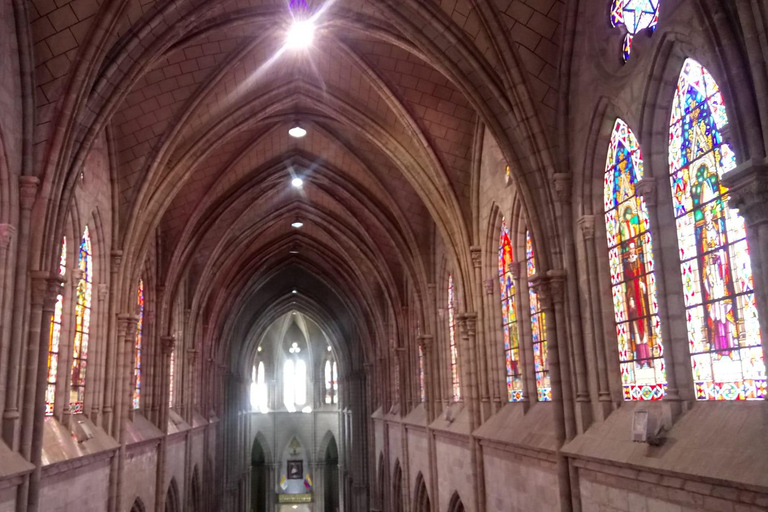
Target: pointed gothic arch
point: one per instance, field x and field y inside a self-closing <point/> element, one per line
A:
<point x="397" y="488"/>
<point x="421" y="502"/>
<point x="172" y="502"/>
<point x="455" y="505"/>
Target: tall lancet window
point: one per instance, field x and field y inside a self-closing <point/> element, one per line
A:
<point x="509" y="317"/>
<point x="538" y="329"/>
<point x="723" y="329"/>
<point x="55" y="337"/>
<point x="635" y="309"/>
<point x="294" y="379"/>
<point x="137" y="348"/>
<point x="421" y="375"/>
<point x="259" y="396"/>
<point x="452" y="346"/>
<point x="172" y="378"/>
<point x="331" y="382"/>
<point x="82" y="325"/>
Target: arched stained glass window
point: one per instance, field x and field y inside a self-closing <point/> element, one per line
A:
<point x="82" y="325"/>
<point x="172" y="378"/>
<point x="641" y="352"/>
<point x="509" y="317"/>
<point x="335" y="383"/>
<point x="421" y="374"/>
<point x="289" y="368"/>
<point x="538" y="329"/>
<point x="328" y="382"/>
<point x="55" y="337"/>
<point x="723" y="329"/>
<point x="294" y="379"/>
<point x="259" y="396"/>
<point x="452" y="347"/>
<point x="636" y="16"/>
<point x="137" y="349"/>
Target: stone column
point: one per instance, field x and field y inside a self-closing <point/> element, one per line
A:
<point x="748" y="185"/>
<point x="318" y="486"/>
<point x="62" y="410"/>
<point x="425" y="342"/>
<point x="45" y="289"/>
<point x="592" y="305"/>
<point x="113" y="348"/>
<point x="571" y="313"/>
<point x="126" y="329"/>
<point x="484" y="394"/>
<point x="550" y="291"/>
<point x="646" y="189"/>
<point x="28" y="186"/>
<point x="7" y="233"/>
<point x="494" y="343"/>
<point x="103" y="330"/>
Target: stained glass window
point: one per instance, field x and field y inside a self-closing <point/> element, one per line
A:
<point x="328" y="382"/>
<point x="507" y="174"/>
<point x="137" y="355"/>
<point x="538" y="329"/>
<point x="723" y="329"/>
<point x="335" y="383"/>
<point x="421" y="374"/>
<point x="172" y="379"/>
<point x="453" y="348"/>
<point x="641" y="351"/>
<point x="82" y="325"/>
<point x="294" y="380"/>
<point x="636" y="16"/>
<point x="509" y="317"/>
<point x="55" y="337"/>
<point x="288" y="385"/>
<point x="259" y="397"/>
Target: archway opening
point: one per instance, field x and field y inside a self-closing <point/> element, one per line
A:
<point x="331" y="490"/>
<point x="259" y="485"/>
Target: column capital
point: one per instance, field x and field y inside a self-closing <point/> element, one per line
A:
<point x="469" y="323"/>
<point x="477" y="255"/>
<point x="7" y="232"/>
<point x="28" y="186"/>
<point x="103" y="291"/>
<point x="45" y="288"/>
<point x="748" y="190"/>
<point x="125" y="321"/>
<point x="115" y="258"/>
<point x="425" y="341"/>
<point x="646" y="188"/>
<point x="77" y="276"/>
<point x="563" y="190"/>
<point x="550" y="287"/>
<point x="587" y="225"/>
<point x="169" y="343"/>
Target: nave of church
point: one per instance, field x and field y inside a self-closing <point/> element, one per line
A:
<point x="383" y="255"/>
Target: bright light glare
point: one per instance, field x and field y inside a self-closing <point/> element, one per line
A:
<point x="300" y="35"/>
<point x="297" y="132"/>
<point x="294" y="291"/>
<point x="307" y="410"/>
<point x="297" y="224"/>
<point x="297" y="182"/>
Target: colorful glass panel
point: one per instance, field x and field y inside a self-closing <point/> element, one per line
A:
<point x="172" y="379"/>
<point x="328" y="383"/>
<point x="55" y="337"/>
<point x="538" y="329"/>
<point x="630" y="250"/>
<point x="137" y="349"/>
<point x="635" y="16"/>
<point x="509" y="317"/>
<point x="335" y="383"/>
<point x="723" y="330"/>
<point x="453" y="348"/>
<point x="421" y="375"/>
<point x="82" y="325"/>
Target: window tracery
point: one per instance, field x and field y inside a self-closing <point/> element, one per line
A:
<point x="55" y="337"/>
<point x="509" y="317"/>
<point x="538" y="329"/>
<point x="82" y="325"/>
<point x="452" y="347"/>
<point x="723" y="329"/>
<point x="630" y="249"/>
<point x="137" y="348"/>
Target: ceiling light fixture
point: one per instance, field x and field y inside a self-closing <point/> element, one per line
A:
<point x="297" y="224"/>
<point x="300" y="35"/>
<point x="297" y="132"/>
<point x="294" y="292"/>
<point x="297" y="182"/>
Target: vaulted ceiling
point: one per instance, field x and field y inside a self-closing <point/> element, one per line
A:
<point x="197" y="97"/>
